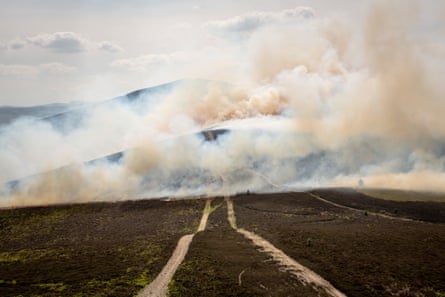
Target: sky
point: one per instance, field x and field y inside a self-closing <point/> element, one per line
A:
<point x="357" y="82"/>
<point x="60" y="51"/>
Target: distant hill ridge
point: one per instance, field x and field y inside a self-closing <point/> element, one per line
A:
<point x="10" y="113"/>
<point x="61" y="115"/>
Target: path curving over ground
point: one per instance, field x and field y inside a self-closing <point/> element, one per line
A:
<point x="159" y="287"/>
<point x="360" y="210"/>
<point x="231" y="213"/>
<point x="205" y="216"/>
<point x="304" y="274"/>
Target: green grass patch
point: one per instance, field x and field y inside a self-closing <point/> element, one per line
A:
<point x="95" y="249"/>
<point x="29" y="255"/>
<point x="213" y="208"/>
<point x="54" y="287"/>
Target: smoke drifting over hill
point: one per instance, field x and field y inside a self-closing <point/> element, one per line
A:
<point x="317" y="105"/>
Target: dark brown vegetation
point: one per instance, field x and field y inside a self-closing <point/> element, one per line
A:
<point x="97" y="249"/>
<point x="359" y="253"/>
<point x="114" y="249"/>
<point x="403" y="195"/>
<point x="221" y="262"/>
<point x="417" y="210"/>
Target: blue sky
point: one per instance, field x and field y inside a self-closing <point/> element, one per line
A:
<point x="57" y="50"/>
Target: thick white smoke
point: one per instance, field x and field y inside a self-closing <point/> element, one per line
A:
<point x="316" y="105"/>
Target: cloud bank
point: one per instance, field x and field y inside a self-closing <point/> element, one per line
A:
<point x="63" y="43"/>
<point x="254" y="20"/>
<point x="109" y="47"/>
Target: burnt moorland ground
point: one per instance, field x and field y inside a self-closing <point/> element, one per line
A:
<point x="429" y="211"/>
<point x="221" y="262"/>
<point x="114" y="249"/>
<point x="359" y="253"/>
<point x="95" y="249"/>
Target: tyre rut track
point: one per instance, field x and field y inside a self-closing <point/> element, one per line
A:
<point x="159" y="286"/>
<point x="304" y="274"/>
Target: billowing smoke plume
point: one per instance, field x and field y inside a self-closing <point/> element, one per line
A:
<point x="308" y="102"/>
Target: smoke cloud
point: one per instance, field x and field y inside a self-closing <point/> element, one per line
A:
<point x="308" y="102"/>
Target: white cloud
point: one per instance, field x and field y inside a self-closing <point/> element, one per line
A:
<point x="61" y="42"/>
<point x="57" y="68"/>
<point x="144" y="63"/>
<point x="17" y="44"/>
<point x="64" y="42"/>
<point x="109" y="47"/>
<point x="251" y="21"/>
<point x="17" y="70"/>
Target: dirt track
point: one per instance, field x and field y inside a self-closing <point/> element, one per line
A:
<point x="116" y="249"/>
<point x="159" y="287"/>
<point x="205" y="216"/>
<point x="359" y="210"/>
<point x="93" y="249"/>
<point x="304" y="274"/>
<point x="359" y="253"/>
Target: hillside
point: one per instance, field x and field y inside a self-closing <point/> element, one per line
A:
<point x="115" y="249"/>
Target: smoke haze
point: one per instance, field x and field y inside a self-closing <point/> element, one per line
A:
<point x="307" y="102"/>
